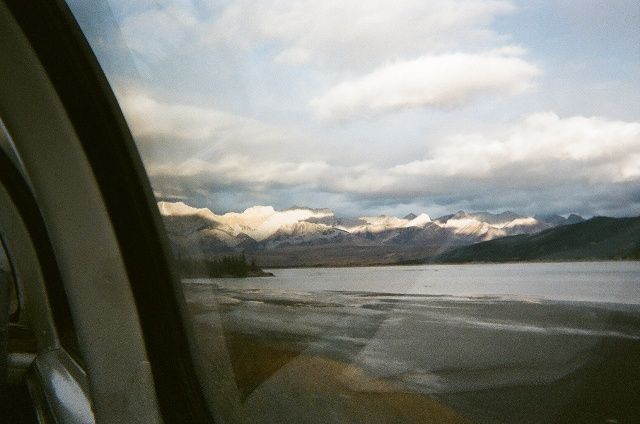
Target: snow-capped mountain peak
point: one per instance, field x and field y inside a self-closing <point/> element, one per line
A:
<point x="257" y="222"/>
<point x="182" y="209"/>
<point x="419" y="221"/>
<point x="376" y="224"/>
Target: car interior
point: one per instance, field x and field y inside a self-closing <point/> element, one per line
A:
<point x="88" y="288"/>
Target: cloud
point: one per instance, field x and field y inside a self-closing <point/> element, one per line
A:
<point x="431" y="81"/>
<point x="157" y="32"/>
<point x="242" y="170"/>
<point x="338" y="32"/>
<point x="539" y="163"/>
<point x="542" y="146"/>
<point x="273" y="60"/>
<point x="206" y="143"/>
<point x="147" y="117"/>
<point x="348" y="36"/>
<point x="543" y="163"/>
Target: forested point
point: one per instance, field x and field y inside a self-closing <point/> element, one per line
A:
<point x="227" y="266"/>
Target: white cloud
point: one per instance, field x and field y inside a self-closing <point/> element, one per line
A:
<point x="543" y="145"/>
<point x="431" y="81"/>
<point x="207" y="144"/>
<point x="157" y="32"/>
<point x="244" y="170"/>
<point x="352" y="35"/>
<point x="148" y="116"/>
<point x="335" y="32"/>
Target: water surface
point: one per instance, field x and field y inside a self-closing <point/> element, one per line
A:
<point x="602" y="282"/>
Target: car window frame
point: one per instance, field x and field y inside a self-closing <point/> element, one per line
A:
<point x="90" y="105"/>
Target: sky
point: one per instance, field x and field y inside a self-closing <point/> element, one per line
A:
<point x="380" y="107"/>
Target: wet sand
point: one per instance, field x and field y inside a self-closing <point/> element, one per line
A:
<point x="384" y="358"/>
<point x="279" y="385"/>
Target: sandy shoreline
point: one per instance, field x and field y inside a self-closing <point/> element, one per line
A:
<point x="364" y="357"/>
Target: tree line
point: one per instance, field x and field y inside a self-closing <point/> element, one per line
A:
<point x="227" y="266"/>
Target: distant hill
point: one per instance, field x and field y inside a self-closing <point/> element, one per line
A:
<point x="596" y="238"/>
<point x="557" y="220"/>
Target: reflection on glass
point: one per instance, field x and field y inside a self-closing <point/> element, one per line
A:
<point x="319" y="167"/>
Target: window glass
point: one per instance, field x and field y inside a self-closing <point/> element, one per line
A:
<point x="395" y="211"/>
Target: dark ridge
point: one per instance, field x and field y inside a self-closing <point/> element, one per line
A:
<point x="599" y="238"/>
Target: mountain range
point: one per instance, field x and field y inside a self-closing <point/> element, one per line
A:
<point x="300" y="236"/>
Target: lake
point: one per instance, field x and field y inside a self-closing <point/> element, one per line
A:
<point x="537" y="342"/>
<point x="612" y="282"/>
